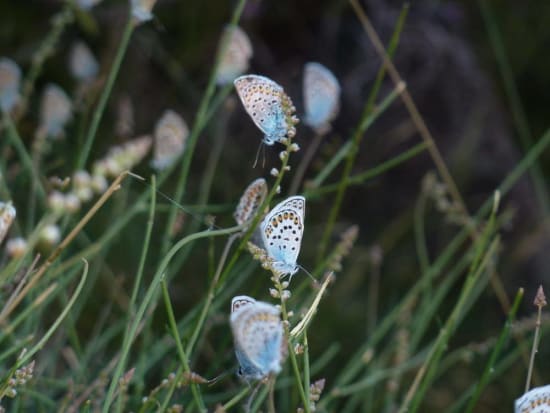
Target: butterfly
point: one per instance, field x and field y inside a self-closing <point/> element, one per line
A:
<point x="7" y="215"/>
<point x="268" y="106"/>
<point x="321" y="96"/>
<point x="237" y="51"/>
<point x="282" y="231"/>
<point x="258" y="336"/>
<point x="82" y="62"/>
<point x="536" y="400"/>
<point x="55" y="111"/>
<point x="251" y="200"/>
<point x="10" y="77"/>
<point x="171" y="134"/>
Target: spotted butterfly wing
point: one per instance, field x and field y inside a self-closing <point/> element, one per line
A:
<point x="321" y="96"/>
<point x="262" y="99"/>
<point x="258" y="335"/>
<point x="536" y="400"/>
<point x="237" y="51"/>
<point x="240" y="301"/>
<point x="251" y="200"/>
<point x="282" y="231"/>
<point x="171" y="134"/>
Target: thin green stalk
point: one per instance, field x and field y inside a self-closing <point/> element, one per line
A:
<point x="518" y="112"/>
<point x="358" y="135"/>
<point x="490" y="366"/>
<point x="333" y="162"/>
<point x="105" y="93"/>
<point x="200" y="121"/>
<point x="46" y="49"/>
<point x="424" y="376"/>
<point x="145" y="249"/>
<point x="210" y="295"/>
<point x="360" y="178"/>
<point x="19" y="146"/>
<point x="159" y="275"/>
<point x="307" y="376"/>
<point x="306" y="160"/>
<point x="38" y="346"/>
<point x="291" y="352"/>
<point x="182" y="355"/>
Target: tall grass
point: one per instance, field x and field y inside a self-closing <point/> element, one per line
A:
<point x="129" y="312"/>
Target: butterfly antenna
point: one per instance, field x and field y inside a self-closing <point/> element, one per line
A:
<point x="216" y="379"/>
<point x="310" y="276"/>
<point x="257" y="155"/>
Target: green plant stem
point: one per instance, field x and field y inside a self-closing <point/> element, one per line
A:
<point x="534" y="350"/>
<point x="105" y="94"/>
<point x="159" y="275"/>
<point x="146" y="242"/>
<point x="19" y="146"/>
<point x="306" y="160"/>
<point x="360" y="178"/>
<point x="417" y="390"/>
<point x="200" y="121"/>
<point x="489" y="368"/>
<point x="46" y="49"/>
<point x="292" y="354"/>
<point x="518" y="112"/>
<point x="38" y="346"/>
<point x="182" y="355"/>
<point x="358" y="136"/>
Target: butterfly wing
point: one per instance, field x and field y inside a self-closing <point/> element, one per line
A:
<point x="238" y="51"/>
<point x="282" y="231"/>
<point x="240" y="301"/>
<point x="321" y="95"/>
<point x="536" y="400"/>
<point x="258" y="335"/>
<point x="251" y="200"/>
<point x="171" y="134"/>
<point x="262" y="100"/>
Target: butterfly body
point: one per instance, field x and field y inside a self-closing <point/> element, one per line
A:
<point x="258" y="335"/>
<point x="264" y="100"/>
<point x="282" y="231"/>
<point x="321" y="96"/>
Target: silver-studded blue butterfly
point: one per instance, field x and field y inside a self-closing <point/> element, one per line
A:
<point x="267" y="104"/>
<point x="282" y="230"/>
<point x="258" y="336"/>
<point x="536" y="400"/>
<point x="321" y="96"/>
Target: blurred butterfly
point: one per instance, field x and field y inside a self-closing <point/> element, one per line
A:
<point x="536" y="400"/>
<point x="269" y="107"/>
<point x="7" y="215"/>
<point x="171" y="134"/>
<point x="282" y="231"/>
<point x="55" y="111"/>
<point x="82" y="62"/>
<point x="10" y="77"/>
<point x="258" y="336"/>
<point x="321" y="96"/>
<point x="251" y="200"/>
<point x="237" y="51"/>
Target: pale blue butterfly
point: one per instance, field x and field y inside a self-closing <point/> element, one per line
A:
<point x="536" y="400"/>
<point x="237" y="51"/>
<point x="282" y="231"/>
<point x="258" y="335"/>
<point x="268" y="106"/>
<point x="10" y="77"/>
<point x="321" y="96"/>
